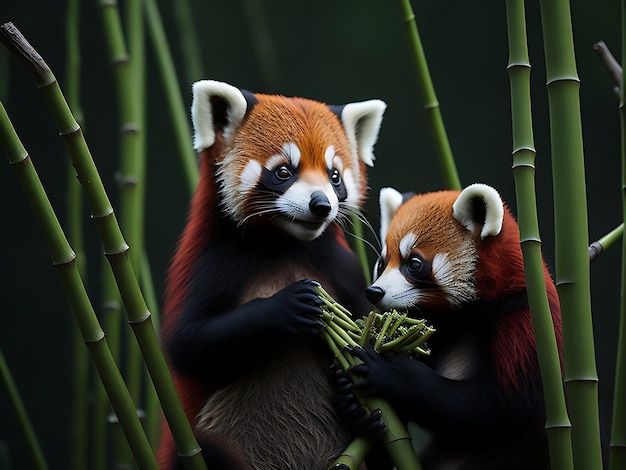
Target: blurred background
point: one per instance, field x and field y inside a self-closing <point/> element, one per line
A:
<point x="335" y="52"/>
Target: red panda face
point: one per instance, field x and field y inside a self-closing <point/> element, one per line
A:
<point x="290" y="162"/>
<point x="431" y="248"/>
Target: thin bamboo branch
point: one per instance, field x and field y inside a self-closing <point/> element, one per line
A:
<point x="597" y="248"/>
<point x="617" y="448"/>
<point x="431" y="104"/>
<point x="571" y="232"/>
<point x="25" y="424"/>
<point x="115" y="247"/>
<point x="609" y="62"/>
<point x="558" y="426"/>
<point x="176" y="107"/>
<point x="63" y="259"/>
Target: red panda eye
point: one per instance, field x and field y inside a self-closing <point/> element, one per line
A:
<point x="380" y="266"/>
<point x="335" y="177"/>
<point x="414" y="265"/>
<point x="283" y="173"/>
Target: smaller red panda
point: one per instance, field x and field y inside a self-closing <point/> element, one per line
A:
<point x="454" y="258"/>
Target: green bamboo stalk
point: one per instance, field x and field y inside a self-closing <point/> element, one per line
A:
<point x="176" y="107"/>
<point x="431" y="104"/>
<point x="63" y="259"/>
<point x="115" y="247"/>
<point x="571" y="232"/>
<point x="188" y="39"/>
<point x="617" y="448"/>
<point x="131" y="157"/>
<point x="26" y="426"/>
<point x="558" y="426"/>
<point x="81" y="367"/>
<point x="110" y="313"/>
<point x="262" y="42"/>
<point x="353" y="455"/>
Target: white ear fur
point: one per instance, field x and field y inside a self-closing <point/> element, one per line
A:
<point x="390" y="199"/>
<point x="464" y="207"/>
<point x="202" y="111"/>
<point x="362" y="122"/>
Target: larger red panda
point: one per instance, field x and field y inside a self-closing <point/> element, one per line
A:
<point x="454" y="258"/>
<point x="241" y="317"/>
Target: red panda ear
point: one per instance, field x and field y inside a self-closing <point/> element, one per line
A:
<point x="479" y="207"/>
<point x="389" y="200"/>
<point x="217" y="107"/>
<point x="361" y="122"/>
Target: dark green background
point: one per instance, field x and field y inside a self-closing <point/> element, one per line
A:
<point x="327" y="50"/>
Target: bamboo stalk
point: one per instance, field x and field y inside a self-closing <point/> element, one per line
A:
<point x="25" y="424"/>
<point x="431" y="104"/>
<point x="571" y="232"/>
<point x="131" y="156"/>
<point x="115" y="247"/>
<point x="80" y="369"/>
<point x="188" y="38"/>
<point x="262" y="42"/>
<point x="176" y="107"/>
<point x="558" y="426"/>
<point x="63" y="259"/>
<point x="617" y="449"/>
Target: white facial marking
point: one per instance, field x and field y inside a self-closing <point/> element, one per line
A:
<point x="353" y="199"/>
<point x="250" y="176"/>
<point x="456" y="278"/>
<point x="406" y="244"/>
<point x="399" y="293"/>
<point x="292" y="152"/>
<point x="329" y="156"/>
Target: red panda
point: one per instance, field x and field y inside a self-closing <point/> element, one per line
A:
<point x="454" y="258"/>
<point x="241" y="321"/>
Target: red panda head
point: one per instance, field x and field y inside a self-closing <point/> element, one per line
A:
<point x="294" y="163"/>
<point x="444" y="249"/>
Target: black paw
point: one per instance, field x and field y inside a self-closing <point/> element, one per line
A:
<point x="297" y="308"/>
<point x="354" y="415"/>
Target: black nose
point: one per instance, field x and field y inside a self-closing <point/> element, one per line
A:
<point x="374" y="294"/>
<point x="319" y="204"/>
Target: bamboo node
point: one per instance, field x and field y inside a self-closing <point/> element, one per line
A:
<point x="123" y="59"/>
<point x="74" y="130"/>
<point x="433" y="105"/>
<point x="189" y="454"/>
<point x="513" y="65"/>
<point x="130" y="127"/>
<point x="71" y="258"/>
<point x="110" y="306"/>
<point x="572" y="78"/>
<point x="142" y="319"/>
<point x="98" y="338"/>
<point x="129" y="180"/>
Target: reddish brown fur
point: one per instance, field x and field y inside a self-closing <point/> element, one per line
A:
<point x="269" y="125"/>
